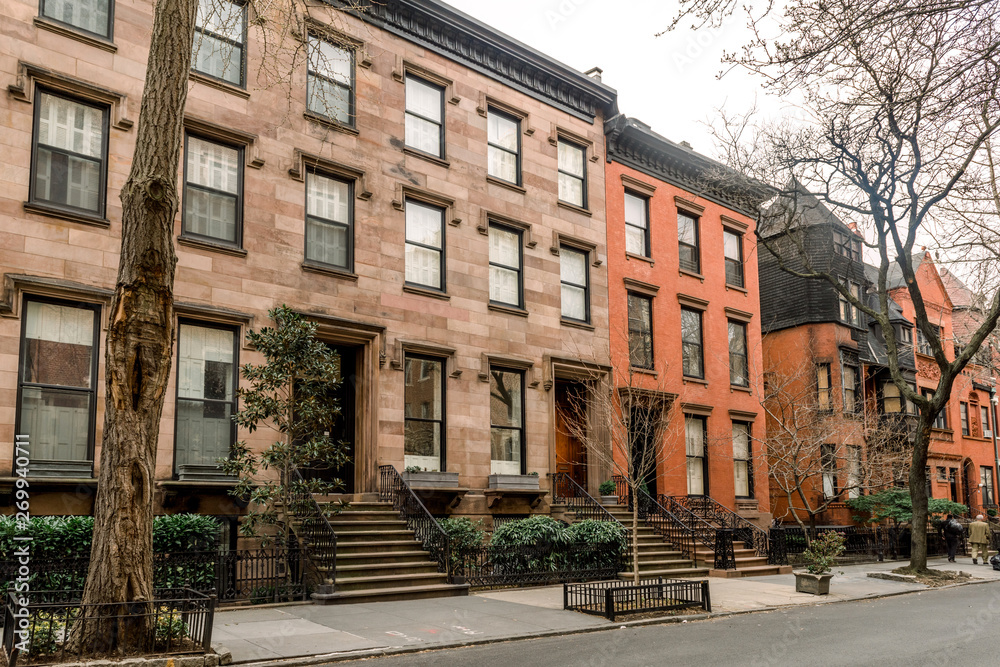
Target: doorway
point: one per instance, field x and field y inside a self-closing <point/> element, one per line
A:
<point x="571" y="423"/>
<point x="344" y="428"/>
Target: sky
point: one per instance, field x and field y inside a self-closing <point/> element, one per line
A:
<point x="670" y="82"/>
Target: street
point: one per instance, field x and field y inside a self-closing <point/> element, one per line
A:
<point x="952" y="626"/>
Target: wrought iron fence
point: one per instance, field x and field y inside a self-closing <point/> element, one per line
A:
<point x="614" y="598"/>
<point x="314" y="532"/>
<point x="537" y="564"/>
<point x="567" y="491"/>
<point x="868" y="542"/>
<point x="501" y="519"/>
<point x="41" y="631"/>
<point x="681" y="535"/>
<point x="714" y="512"/>
<point x="392" y="488"/>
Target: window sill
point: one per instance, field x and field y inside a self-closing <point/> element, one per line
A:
<point x="65" y="214"/>
<point x="693" y="380"/>
<point x="209" y="245"/>
<point x="737" y="289"/>
<point x="643" y="371"/>
<point x="46" y="23"/>
<point x="576" y="324"/>
<point x="506" y="184"/>
<point x="329" y="271"/>
<point x="330" y="123"/>
<point x="641" y="258"/>
<point x="509" y="310"/>
<point x="736" y="387"/>
<point x="426" y="291"/>
<point x="692" y="274"/>
<point x="426" y="156"/>
<point x="219" y="84"/>
<point x="574" y="207"/>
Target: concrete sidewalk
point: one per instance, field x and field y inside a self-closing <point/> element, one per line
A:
<point x="297" y="631"/>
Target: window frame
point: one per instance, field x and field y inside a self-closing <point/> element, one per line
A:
<point x="828" y="389"/>
<point x="110" y="36"/>
<point x="313" y="171"/>
<point x="984" y="411"/>
<point x="519" y="233"/>
<point x="746" y="354"/>
<point x="941" y="421"/>
<point x="729" y="261"/>
<point x="855" y="373"/>
<point x="847" y="245"/>
<point x="242" y="46"/>
<point x="987" y="495"/>
<point x="629" y="296"/>
<point x="441" y="124"/>
<point x="646" y="242"/>
<point x="521" y="429"/>
<point x="854" y="316"/>
<point x="828" y="470"/>
<point x="442" y="252"/>
<point x="443" y="422"/>
<point x="586" y="286"/>
<point x="583" y="179"/>
<point x="94" y="367"/>
<point x="204" y="324"/>
<point x="105" y="158"/>
<point x="963" y="417"/>
<point x="700" y="344"/>
<point x="491" y="109"/>
<point x="352" y="89"/>
<point x="696" y="248"/>
<point x="923" y="345"/>
<point x="706" y="489"/>
<point x="240" y="170"/>
<point x="748" y="461"/>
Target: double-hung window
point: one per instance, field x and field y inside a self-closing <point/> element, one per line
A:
<point x="733" y="250"/>
<point x="424" y="116"/>
<point x="828" y="465"/>
<point x="823" y="387"/>
<point x="58" y="380"/>
<point x="849" y="313"/>
<point x="424" y="245"/>
<point x="849" y="380"/>
<point x="847" y="245"/>
<point x="640" y="331"/>
<point x="423" y="413"/>
<point x="505" y="266"/>
<point x="330" y="81"/>
<point x="636" y="225"/>
<point x="329" y="229"/>
<point x="220" y="32"/>
<point x="687" y="239"/>
<point x="742" y="460"/>
<point x="941" y="420"/>
<point x="854" y="481"/>
<point x="574" y="278"/>
<point x="507" y="447"/>
<point x="691" y="343"/>
<point x="206" y="396"/>
<point x="504" y="139"/>
<point x="739" y="369"/>
<point x="695" y="436"/>
<point x="986" y="482"/>
<point x="92" y="16"/>
<point x="70" y="154"/>
<point x="984" y="412"/>
<point x="572" y="174"/>
<point x="963" y="415"/>
<point x="924" y="345"/>
<point x="213" y="191"/>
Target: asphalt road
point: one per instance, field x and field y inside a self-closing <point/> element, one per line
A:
<point x="955" y="626"/>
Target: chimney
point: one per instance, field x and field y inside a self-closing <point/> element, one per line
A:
<point x="594" y="73"/>
<point x="853" y="226"/>
<point x="686" y="145"/>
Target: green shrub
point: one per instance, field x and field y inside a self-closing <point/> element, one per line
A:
<point x="607" y="488"/>
<point x="170" y="626"/>
<point x="465" y="536"/>
<point x="534" y="530"/>
<point x="47" y="634"/>
<point x="823" y="551"/>
<point x="612" y="536"/>
<point x="596" y="532"/>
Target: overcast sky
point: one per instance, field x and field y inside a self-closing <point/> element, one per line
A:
<point x="669" y="82"/>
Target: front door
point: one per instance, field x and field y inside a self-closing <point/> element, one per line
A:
<point x="571" y="454"/>
<point x="343" y="429"/>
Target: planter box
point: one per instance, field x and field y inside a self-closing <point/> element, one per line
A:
<point x="609" y="500"/>
<point x="431" y="480"/>
<point x="816" y="584"/>
<point x="513" y="482"/>
<point x="190" y="472"/>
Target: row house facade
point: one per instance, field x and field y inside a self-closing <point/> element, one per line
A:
<point x="428" y="190"/>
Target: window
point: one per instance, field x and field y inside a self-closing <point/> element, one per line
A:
<point x="694" y="365"/>
<point x="220" y="30"/>
<point x="924" y="345"/>
<point x="640" y="331"/>
<point x="505" y="266"/>
<point x="636" y="224"/>
<point x="823" y="387"/>
<point x="849" y="313"/>
<point x="941" y="420"/>
<point x="828" y="464"/>
<point x="942" y="474"/>
<point x="853" y="471"/>
<point x="330" y="81"/>
<point x="984" y="412"/>
<point x="742" y="460"/>
<point x="574" y="277"/>
<point x="213" y="191"/>
<point x="504" y="138"/>
<point x="87" y="15"/>
<point x="739" y="371"/>
<point x="687" y="235"/>
<point x="206" y="397"/>
<point x="927" y="481"/>
<point x="423" y="413"/>
<point x="849" y="378"/>
<point x="506" y="422"/>
<point x="847" y="245"/>
<point x="424" y="116"/>
<point x="905" y="335"/>
<point x="963" y="415"/>
<point x="424" y="245"/>
<point x="986" y="484"/>
<point x="329" y="224"/>
<point x="733" y="249"/>
<point x="70" y="150"/>
<point x="58" y="380"/>
<point x="572" y="174"/>
<point x="695" y="435"/>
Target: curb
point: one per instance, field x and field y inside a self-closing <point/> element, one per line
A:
<point x="304" y="661"/>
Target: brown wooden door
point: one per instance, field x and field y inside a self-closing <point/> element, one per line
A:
<point x="571" y="455"/>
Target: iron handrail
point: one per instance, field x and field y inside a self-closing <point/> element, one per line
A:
<point x="392" y="488"/>
<point x="751" y="535"/>
<point x="664" y="522"/>
<point x="582" y="503"/>
<point x="321" y="549"/>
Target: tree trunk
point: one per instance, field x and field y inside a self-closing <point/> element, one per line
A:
<point x="139" y="340"/>
<point x="918" y="496"/>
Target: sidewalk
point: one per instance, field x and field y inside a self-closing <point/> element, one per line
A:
<point x="297" y="631"/>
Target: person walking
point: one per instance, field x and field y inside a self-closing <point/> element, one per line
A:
<point x="952" y="530"/>
<point x="979" y="538"/>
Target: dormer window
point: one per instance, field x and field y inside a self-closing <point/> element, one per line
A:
<point x="847" y="245"/>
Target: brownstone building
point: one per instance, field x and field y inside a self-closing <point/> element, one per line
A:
<point x="428" y="190"/>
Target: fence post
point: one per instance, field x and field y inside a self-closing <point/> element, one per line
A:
<point x="609" y="604"/>
<point x="706" y="598"/>
<point x="209" y="622"/>
<point x="777" y="553"/>
<point x="725" y="556"/>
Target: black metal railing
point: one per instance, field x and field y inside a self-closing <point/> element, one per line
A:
<point x="567" y="491"/>
<point x="777" y="549"/>
<point x="863" y="543"/>
<point x="538" y="564"/>
<point x="663" y="522"/>
<point x="315" y="534"/>
<point x="614" y="598"/>
<point x="177" y="622"/>
<point x="714" y="512"/>
<point x="392" y="488"/>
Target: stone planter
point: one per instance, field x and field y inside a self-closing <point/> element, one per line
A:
<point x="513" y="482"/>
<point x="431" y="480"/>
<point x="816" y="584"/>
<point x="609" y="500"/>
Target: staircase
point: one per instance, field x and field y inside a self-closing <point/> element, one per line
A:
<point x="656" y="558"/>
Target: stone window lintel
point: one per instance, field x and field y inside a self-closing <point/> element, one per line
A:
<point x="28" y="74"/>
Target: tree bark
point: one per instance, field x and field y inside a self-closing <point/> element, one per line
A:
<point x="918" y="496"/>
<point x="139" y="341"/>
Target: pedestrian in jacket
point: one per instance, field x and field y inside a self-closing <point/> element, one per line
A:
<point x="979" y="538"/>
<point x="953" y="531"/>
